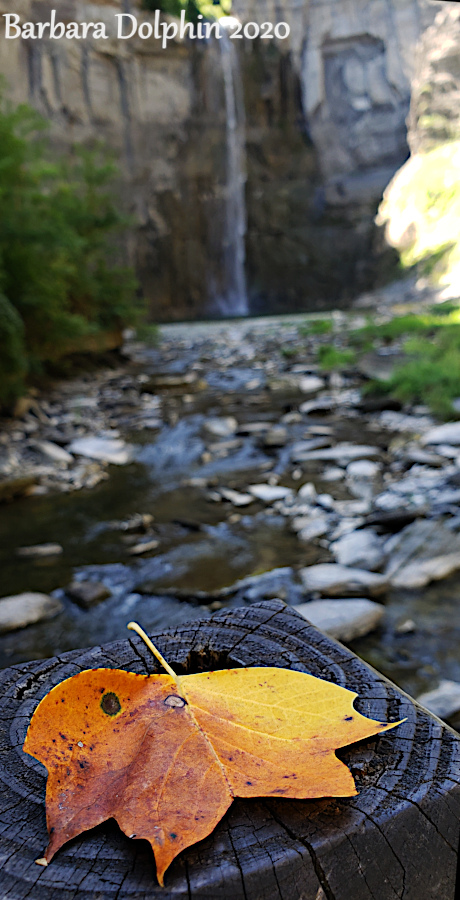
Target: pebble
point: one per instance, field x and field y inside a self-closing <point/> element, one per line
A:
<point x="144" y="547"/>
<point x="54" y="452"/>
<point x="109" y="450"/>
<point x="333" y="580"/>
<point x="235" y="497"/>
<point x="341" y="453"/>
<point x="87" y="593"/>
<point x="40" y="551"/>
<point x="443" y="701"/>
<point x="362" y="549"/>
<point x="26" y="609"/>
<point x="221" y="427"/>
<point x="344" y="619"/>
<point x="269" y="493"/>
<point x="443" y="434"/>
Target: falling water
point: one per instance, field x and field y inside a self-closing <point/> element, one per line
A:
<point x="233" y="301"/>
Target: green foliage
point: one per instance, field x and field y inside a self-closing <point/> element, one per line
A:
<point x="432" y="373"/>
<point x="422" y="208"/>
<point x="316" y="326"/>
<point x="57" y="227"/>
<point x="210" y="9"/>
<point x="331" y="357"/>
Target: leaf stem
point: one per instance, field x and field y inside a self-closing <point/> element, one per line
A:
<point x="133" y="626"/>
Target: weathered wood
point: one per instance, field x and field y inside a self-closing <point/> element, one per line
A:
<point x="397" y="839"/>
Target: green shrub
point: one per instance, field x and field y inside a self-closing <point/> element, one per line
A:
<point x="316" y="326"/>
<point x="58" y="232"/>
<point x="331" y="357"/>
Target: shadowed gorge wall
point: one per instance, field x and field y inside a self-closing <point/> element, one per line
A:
<point x="325" y="131"/>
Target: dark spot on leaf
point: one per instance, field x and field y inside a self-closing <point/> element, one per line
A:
<point x="63" y="736"/>
<point x="83" y="764"/>
<point x="110" y="704"/>
<point x="249" y="782"/>
<point x="348" y="718"/>
<point x="62" y="700"/>
<point x="174" y="700"/>
<point x="173" y="836"/>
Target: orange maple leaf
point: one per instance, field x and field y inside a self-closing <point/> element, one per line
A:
<point x="165" y="756"/>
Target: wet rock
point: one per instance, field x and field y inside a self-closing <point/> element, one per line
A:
<point x="312" y="528"/>
<point x="363" y="469"/>
<point x="417" y="456"/>
<point x="301" y="447"/>
<point x="360" y="549"/>
<point x="333" y="580"/>
<point x="443" y="434"/>
<point x="26" y="609"/>
<point x="144" y="547"/>
<point x="158" y="382"/>
<point x="311" y="384"/>
<point x="40" y="551"/>
<point x="276" y="437"/>
<point x="269" y="493"/>
<point x="333" y="473"/>
<point x="254" y="428"/>
<point x="54" y="452"/>
<point x="394" y="520"/>
<point x="235" y="497"/>
<point x="136" y="524"/>
<point x="424" y="551"/>
<point x="443" y="701"/>
<point x="320" y="405"/>
<point x="109" y="450"/>
<point x="341" y="453"/>
<point x="343" y="619"/>
<point x="221" y="427"/>
<point x="87" y="593"/>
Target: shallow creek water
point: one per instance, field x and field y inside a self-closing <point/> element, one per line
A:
<point x="203" y="545"/>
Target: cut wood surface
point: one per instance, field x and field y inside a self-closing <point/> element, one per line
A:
<point x="397" y="839"/>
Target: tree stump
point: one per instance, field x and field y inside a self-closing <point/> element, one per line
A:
<point x="397" y="839"/>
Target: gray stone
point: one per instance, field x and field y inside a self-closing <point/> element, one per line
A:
<point x="269" y="493"/>
<point x="87" y="593"/>
<point x="144" y="547"/>
<point x="443" y="434"/>
<point x="424" y="551"/>
<point x="443" y="701"/>
<point x="54" y="452"/>
<point x="343" y="619"/>
<point x="333" y="580"/>
<point x="109" y="450"/>
<point x="235" y="497"/>
<point x="276" y="437"/>
<point x="363" y="469"/>
<point x="311" y="384"/>
<point x="361" y="549"/>
<point x="221" y="427"/>
<point x="256" y="428"/>
<point x="26" y="609"/>
<point x="40" y="551"/>
<point x="313" y="529"/>
<point x="341" y="453"/>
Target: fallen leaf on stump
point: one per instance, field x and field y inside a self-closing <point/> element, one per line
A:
<point x="165" y="756"/>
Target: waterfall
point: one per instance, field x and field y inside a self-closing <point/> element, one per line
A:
<point x="233" y="300"/>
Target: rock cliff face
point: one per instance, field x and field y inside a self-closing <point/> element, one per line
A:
<point x="421" y="207"/>
<point x="325" y="114"/>
<point x="435" y="106"/>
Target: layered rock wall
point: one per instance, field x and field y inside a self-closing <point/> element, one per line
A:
<point x="325" y="113"/>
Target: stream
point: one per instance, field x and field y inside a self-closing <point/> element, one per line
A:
<point x="239" y="375"/>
